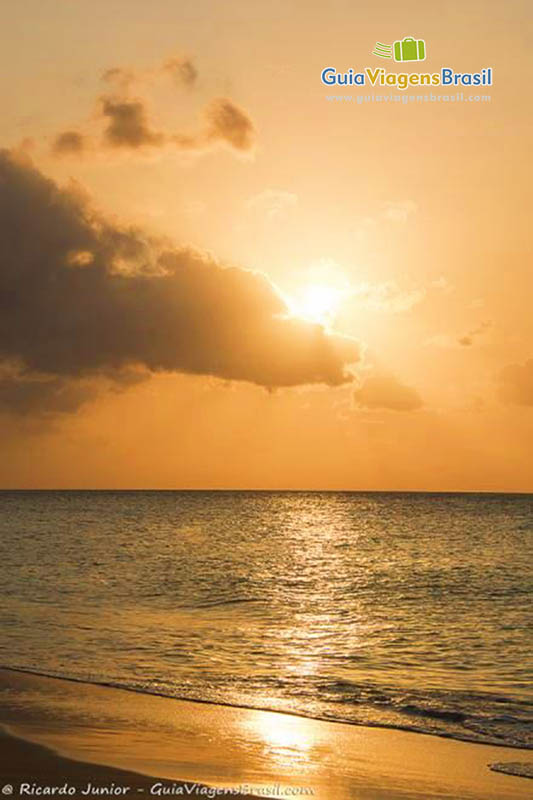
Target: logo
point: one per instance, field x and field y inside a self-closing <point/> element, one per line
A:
<point x="404" y="50"/>
<point x="407" y="49"/>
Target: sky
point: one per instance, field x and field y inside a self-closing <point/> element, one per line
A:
<point x="213" y="276"/>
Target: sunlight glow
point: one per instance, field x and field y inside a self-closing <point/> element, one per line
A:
<point x="317" y="303"/>
<point x="287" y="739"/>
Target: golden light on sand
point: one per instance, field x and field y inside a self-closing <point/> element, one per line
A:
<point x="286" y="738"/>
<point x="317" y="303"/>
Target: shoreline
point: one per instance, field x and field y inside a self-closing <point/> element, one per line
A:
<point x="287" y="712"/>
<point x="222" y="747"/>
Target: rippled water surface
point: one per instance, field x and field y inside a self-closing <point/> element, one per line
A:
<point x="405" y="610"/>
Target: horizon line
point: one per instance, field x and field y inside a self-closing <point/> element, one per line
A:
<point x="265" y="490"/>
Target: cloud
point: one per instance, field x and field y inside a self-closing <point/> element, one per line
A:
<point x="79" y="258"/>
<point x="387" y="392"/>
<point x="182" y="70"/>
<point x="120" y="77"/>
<point x="227" y="122"/>
<point x="69" y="143"/>
<point x="81" y="296"/>
<point x="387" y="297"/>
<point x="454" y="342"/>
<point x="26" y="394"/>
<point x="273" y="202"/>
<point x="469" y="338"/>
<point x="128" y="128"/>
<point x="128" y="124"/>
<point x="516" y="383"/>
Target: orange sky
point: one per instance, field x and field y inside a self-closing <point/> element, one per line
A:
<point x="415" y="218"/>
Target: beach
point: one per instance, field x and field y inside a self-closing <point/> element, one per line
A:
<point x="339" y="646"/>
<point x="266" y="400"/>
<point x="75" y="734"/>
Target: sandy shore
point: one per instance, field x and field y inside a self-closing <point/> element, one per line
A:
<point x="32" y="764"/>
<point x="84" y="736"/>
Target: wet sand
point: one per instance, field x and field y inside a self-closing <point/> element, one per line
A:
<point x="82" y="736"/>
<point x="26" y="766"/>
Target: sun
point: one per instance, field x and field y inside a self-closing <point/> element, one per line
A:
<point x="317" y="303"/>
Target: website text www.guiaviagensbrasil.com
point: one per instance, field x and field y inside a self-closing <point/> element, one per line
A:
<point x="404" y="99"/>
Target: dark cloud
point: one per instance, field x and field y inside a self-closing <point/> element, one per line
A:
<point x="516" y="383"/>
<point x="228" y="122"/>
<point x="182" y="70"/>
<point x="387" y="392"/>
<point x="69" y="143"/>
<point x="128" y="128"/>
<point x="36" y="394"/>
<point x="80" y="297"/>
<point x="128" y="124"/>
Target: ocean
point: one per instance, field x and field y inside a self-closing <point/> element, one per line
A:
<point x="404" y="610"/>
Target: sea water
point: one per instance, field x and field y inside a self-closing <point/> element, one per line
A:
<point x="393" y="609"/>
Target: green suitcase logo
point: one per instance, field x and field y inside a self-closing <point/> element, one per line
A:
<point x="409" y="49"/>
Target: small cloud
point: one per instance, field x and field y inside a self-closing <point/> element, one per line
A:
<point x="229" y="123"/>
<point x="450" y="342"/>
<point x="384" y="391"/>
<point x="468" y="339"/>
<point x="387" y="297"/>
<point x="273" y="202"/>
<point x="69" y="143"/>
<point x="182" y="71"/>
<point x="79" y="258"/>
<point x="180" y="68"/>
<point x="128" y="124"/>
<point x="478" y="302"/>
<point x="120" y="78"/>
<point x="516" y="384"/>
